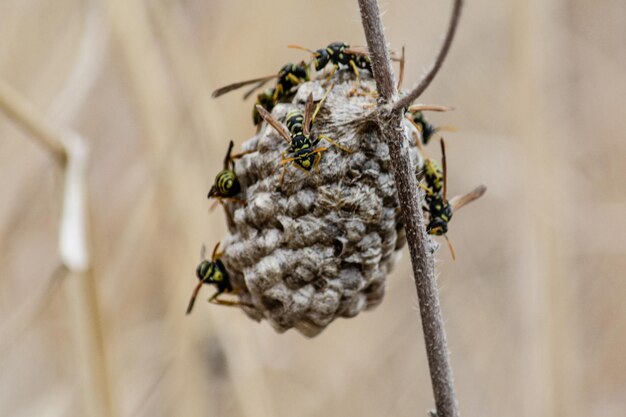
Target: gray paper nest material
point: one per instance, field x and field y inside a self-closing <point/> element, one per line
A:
<point x="321" y="246"/>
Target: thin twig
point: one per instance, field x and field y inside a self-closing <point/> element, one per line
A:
<point x="443" y="52"/>
<point x="390" y="124"/>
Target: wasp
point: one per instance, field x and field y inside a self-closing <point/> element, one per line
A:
<point x="415" y="115"/>
<point x="340" y="54"/>
<point x="227" y="185"/>
<point x="213" y="272"/>
<point x="302" y="146"/>
<point x="437" y="206"/>
<point x="265" y="100"/>
<point x="288" y="78"/>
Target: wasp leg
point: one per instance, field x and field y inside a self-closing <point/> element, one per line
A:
<point x="319" y="158"/>
<point x="334" y="143"/>
<point x="428" y="190"/>
<point x="220" y="200"/>
<point x="357" y="74"/>
<point x="240" y="154"/>
<point x="356" y="81"/>
<point x="291" y="160"/>
<point x="215" y="300"/>
<point x="330" y="74"/>
<point x="232" y="199"/>
<point x="283" y="162"/>
<point x="215" y="203"/>
<point x="278" y="93"/>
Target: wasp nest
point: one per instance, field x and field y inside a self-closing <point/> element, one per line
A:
<point x="320" y="245"/>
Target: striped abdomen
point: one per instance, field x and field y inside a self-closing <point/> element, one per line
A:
<point x="226" y="185"/>
<point x="294" y="121"/>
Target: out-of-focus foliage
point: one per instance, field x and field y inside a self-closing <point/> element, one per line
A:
<point x="533" y="304"/>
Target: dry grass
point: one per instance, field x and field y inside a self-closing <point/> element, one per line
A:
<point x="534" y="309"/>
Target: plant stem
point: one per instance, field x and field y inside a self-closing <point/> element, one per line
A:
<point x="378" y="52"/>
<point x="390" y="124"/>
<point x="71" y="152"/>
<point x="443" y="52"/>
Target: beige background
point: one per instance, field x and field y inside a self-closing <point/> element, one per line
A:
<point x="533" y="305"/>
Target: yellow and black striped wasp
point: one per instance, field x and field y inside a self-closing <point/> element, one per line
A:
<point x="227" y="185"/>
<point x="301" y="145"/>
<point x="437" y="206"/>
<point x="415" y="115"/>
<point x="288" y="79"/>
<point x="265" y="100"/>
<point x="339" y="54"/>
<point x="213" y="272"/>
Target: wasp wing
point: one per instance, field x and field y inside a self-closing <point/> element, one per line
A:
<point x="357" y="50"/>
<point x="463" y="200"/>
<point x="308" y="116"/>
<point x="234" y="86"/>
<point x="428" y="107"/>
<point x="256" y="87"/>
<point x="279" y="127"/>
<point x="302" y="48"/>
<point x="363" y="51"/>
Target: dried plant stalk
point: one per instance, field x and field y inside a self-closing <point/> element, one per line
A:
<point x="71" y="152"/>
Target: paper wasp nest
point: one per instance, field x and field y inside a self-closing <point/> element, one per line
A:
<point x="320" y="246"/>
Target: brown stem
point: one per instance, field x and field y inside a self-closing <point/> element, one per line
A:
<point x="71" y="151"/>
<point x="390" y="124"/>
<point x="443" y="52"/>
<point x="378" y="52"/>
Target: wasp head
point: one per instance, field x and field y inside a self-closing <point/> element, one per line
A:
<point x="437" y="227"/>
<point x="205" y="271"/>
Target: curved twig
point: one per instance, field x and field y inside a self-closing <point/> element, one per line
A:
<point x="443" y="52"/>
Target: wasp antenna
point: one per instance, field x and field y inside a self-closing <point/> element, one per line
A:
<point x="302" y="48"/>
<point x="227" y="158"/>
<point x="202" y="252"/>
<point x="194" y="295"/>
<point x="445" y="168"/>
<point x="213" y="256"/>
<point x="451" y="248"/>
<point x="428" y="107"/>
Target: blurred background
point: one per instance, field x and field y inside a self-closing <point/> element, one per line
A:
<point x="533" y="305"/>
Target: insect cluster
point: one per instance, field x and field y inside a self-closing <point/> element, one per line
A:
<point x="311" y="205"/>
